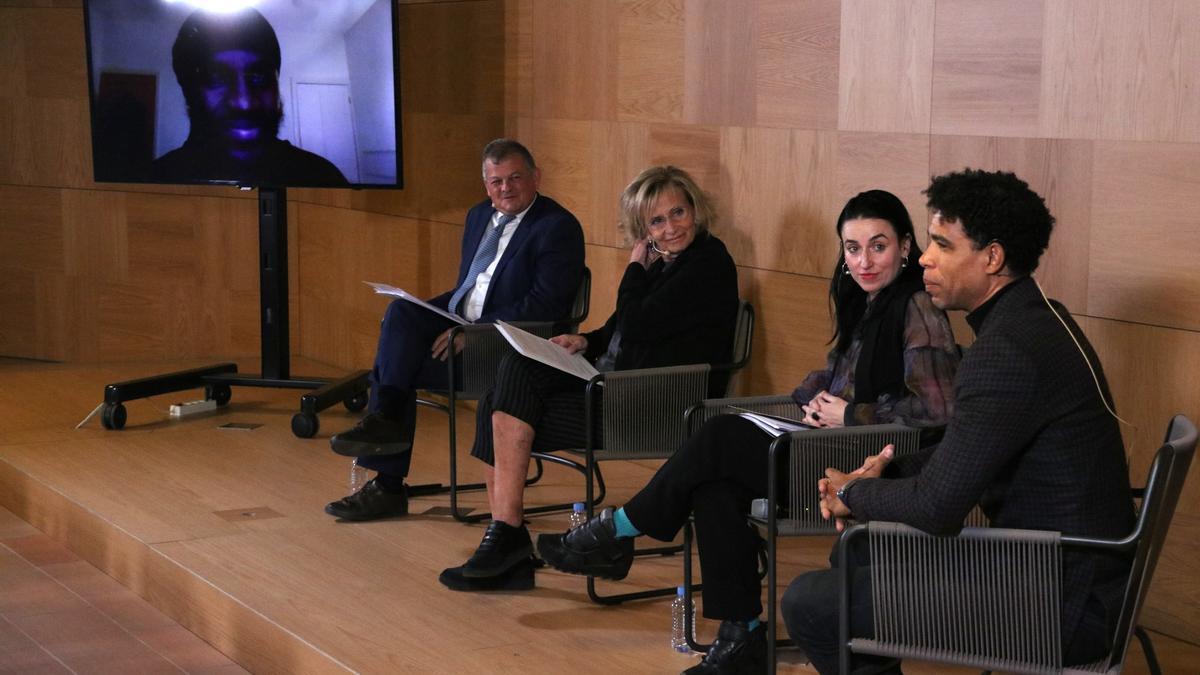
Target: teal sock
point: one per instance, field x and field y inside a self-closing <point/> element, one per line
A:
<point x="752" y="624"/>
<point x="624" y="527"/>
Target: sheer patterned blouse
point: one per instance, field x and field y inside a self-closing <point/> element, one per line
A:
<point x="930" y="360"/>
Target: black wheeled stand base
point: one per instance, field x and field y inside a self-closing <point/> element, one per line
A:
<point x="219" y="379"/>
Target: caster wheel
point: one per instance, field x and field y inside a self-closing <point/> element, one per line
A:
<point x="113" y="416"/>
<point x="305" y="425"/>
<point x="356" y="403"/>
<point x="220" y="393"/>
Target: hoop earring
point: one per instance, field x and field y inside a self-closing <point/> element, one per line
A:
<point x="845" y="268"/>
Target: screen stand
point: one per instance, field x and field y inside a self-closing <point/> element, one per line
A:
<point x="218" y="379"/>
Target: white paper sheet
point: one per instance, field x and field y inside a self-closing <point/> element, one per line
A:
<point x="384" y="289"/>
<point x="773" y="425"/>
<point x="540" y="349"/>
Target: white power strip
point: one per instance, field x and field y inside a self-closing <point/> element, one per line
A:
<point x="193" y="407"/>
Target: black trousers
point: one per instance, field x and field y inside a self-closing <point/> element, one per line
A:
<point x="545" y="398"/>
<point x="714" y="475"/>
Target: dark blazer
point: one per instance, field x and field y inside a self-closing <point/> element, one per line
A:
<point x="540" y="270"/>
<point x="1030" y="440"/>
<point x="675" y="314"/>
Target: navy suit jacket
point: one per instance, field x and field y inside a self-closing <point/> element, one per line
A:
<point x="541" y="267"/>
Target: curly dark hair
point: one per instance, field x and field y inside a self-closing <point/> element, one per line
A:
<point x="995" y="206"/>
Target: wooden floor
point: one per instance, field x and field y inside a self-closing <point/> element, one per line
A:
<point x="223" y="532"/>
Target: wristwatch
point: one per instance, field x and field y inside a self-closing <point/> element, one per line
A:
<point x="841" y="493"/>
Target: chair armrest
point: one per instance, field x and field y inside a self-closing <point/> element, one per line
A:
<point x="643" y="409"/>
<point x="781" y="405"/>
<point x="482" y="350"/>
<point x="803" y="456"/>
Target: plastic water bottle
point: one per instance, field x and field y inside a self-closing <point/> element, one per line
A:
<point x="679" y="606"/>
<point x="578" y="515"/>
<point x="358" y="476"/>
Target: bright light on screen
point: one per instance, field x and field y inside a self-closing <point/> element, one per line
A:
<point x="223" y="6"/>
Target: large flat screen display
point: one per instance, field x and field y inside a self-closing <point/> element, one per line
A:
<point x="266" y="93"/>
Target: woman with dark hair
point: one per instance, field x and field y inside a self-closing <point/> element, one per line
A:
<point x="881" y="311"/>
<point x="893" y="360"/>
<point x="676" y="305"/>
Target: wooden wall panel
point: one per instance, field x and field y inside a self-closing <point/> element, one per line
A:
<point x="1146" y="392"/>
<point x="1121" y="70"/>
<point x="455" y="57"/>
<point x="574" y="175"/>
<point x="898" y="163"/>
<point x="649" y="68"/>
<point x="1144" y="234"/>
<point x="987" y="67"/>
<point x="791" y="330"/>
<point x="719" y="53"/>
<point x="780" y="188"/>
<point x="574" y="49"/>
<point x="340" y="249"/>
<point x="518" y="57"/>
<point x="1058" y="170"/>
<point x="796" y="64"/>
<point x="886" y="65"/>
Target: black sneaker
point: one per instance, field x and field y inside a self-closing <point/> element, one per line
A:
<point x="737" y="649"/>
<point x="370" y="503"/>
<point x="593" y="549"/>
<point x="517" y="578"/>
<point x="503" y="546"/>
<point x="374" y="435"/>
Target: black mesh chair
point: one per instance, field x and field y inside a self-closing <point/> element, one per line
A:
<point x="645" y="417"/>
<point x="473" y="369"/>
<point x="939" y="611"/>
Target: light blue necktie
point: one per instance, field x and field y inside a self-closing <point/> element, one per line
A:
<point x="484" y="255"/>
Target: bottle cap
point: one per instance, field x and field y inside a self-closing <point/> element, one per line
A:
<point x="679" y="591"/>
<point x="578" y="507"/>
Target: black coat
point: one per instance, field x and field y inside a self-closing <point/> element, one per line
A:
<point x="676" y="314"/>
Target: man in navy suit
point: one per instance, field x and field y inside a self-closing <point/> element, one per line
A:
<point x="522" y="260"/>
<point x="1033" y="437"/>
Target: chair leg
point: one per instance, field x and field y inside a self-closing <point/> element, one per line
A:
<point x="689" y="613"/>
<point x="453" y="488"/>
<point x="1148" y="650"/>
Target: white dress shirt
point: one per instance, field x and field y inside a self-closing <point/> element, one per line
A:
<point x="473" y="305"/>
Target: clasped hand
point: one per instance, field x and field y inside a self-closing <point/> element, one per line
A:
<point x="827" y="487"/>
<point x="825" y="410"/>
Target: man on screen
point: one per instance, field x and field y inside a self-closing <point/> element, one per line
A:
<point x="522" y="260"/>
<point x="228" y="68"/>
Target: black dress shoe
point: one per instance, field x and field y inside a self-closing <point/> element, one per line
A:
<point x="374" y="435"/>
<point x="737" y="649"/>
<point x="370" y="503"/>
<point x="593" y="549"/>
<point x="503" y="546"/>
<point x="519" y="577"/>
